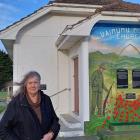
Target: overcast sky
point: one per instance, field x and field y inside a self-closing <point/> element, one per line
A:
<point x="14" y="10"/>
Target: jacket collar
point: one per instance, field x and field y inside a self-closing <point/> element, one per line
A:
<point x="23" y="99"/>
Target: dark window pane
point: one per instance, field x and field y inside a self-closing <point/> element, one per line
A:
<point x="136" y="78"/>
<point x="122" y="78"/>
<point x="43" y="86"/>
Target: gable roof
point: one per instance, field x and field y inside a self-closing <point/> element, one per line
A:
<point x="24" y="18"/>
<point x="93" y="2"/>
<point x="123" y="6"/>
<point x="120" y="6"/>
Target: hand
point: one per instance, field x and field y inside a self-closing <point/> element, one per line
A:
<point x="48" y="136"/>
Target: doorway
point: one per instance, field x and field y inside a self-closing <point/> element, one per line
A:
<point x="76" y="86"/>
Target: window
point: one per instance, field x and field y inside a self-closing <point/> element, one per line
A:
<point x="122" y="78"/>
<point x="136" y="78"/>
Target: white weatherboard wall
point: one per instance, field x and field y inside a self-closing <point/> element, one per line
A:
<point x="63" y="84"/>
<point x="35" y="49"/>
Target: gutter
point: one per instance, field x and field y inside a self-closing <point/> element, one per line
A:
<point x="114" y="13"/>
<point x="63" y="37"/>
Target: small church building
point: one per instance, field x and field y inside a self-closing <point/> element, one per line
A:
<point x="57" y="41"/>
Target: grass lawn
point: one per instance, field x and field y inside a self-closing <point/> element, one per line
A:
<point x="3" y="95"/>
<point x="2" y="108"/>
<point x="94" y="125"/>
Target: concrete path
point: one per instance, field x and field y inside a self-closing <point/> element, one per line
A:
<point x="80" y="138"/>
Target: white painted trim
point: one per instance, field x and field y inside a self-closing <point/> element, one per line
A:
<point x="77" y="5"/>
<point x="60" y="42"/>
<point x="103" y="17"/>
<point x="53" y="8"/>
<point x="114" y="13"/>
<point x="78" y="29"/>
<point x="81" y="9"/>
<point x="84" y="80"/>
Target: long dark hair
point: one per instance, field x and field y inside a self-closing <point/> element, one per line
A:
<point x="22" y="84"/>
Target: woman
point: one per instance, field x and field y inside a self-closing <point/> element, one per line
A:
<point x="30" y="115"/>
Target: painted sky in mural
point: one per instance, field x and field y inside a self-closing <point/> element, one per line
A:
<point x="120" y="37"/>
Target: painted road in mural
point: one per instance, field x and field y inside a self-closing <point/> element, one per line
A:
<point x="114" y="73"/>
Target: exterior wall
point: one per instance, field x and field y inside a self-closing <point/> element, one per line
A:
<point x="74" y="52"/>
<point x="63" y="83"/>
<point x="35" y="49"/>
<point x="85" y="28"/>
<point x="114" y="71"/>
<point x="80" y="49"/>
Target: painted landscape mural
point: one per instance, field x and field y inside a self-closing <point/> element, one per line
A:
<point x="114" y="73"/>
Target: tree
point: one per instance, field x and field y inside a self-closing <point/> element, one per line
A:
<point x="6" y="68"/>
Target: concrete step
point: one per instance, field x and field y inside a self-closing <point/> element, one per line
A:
<point x="70" y="121"/>
<point x="80" y="138"/>
<point x="70" y="132"/>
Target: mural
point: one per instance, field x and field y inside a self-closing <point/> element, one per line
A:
<point x="114" y="73"/>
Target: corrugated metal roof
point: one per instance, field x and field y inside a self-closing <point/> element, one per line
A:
<point x="92" y="2"/>
<point x="123" y="6"/>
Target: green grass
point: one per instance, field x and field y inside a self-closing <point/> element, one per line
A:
<point x="93" y="125"/>
<point x="2" y="108"/>
<point x="3" y="95"/>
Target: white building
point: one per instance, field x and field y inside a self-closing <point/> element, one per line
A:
<point x="55" y="42"/>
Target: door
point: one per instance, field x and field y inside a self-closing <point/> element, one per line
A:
<point x="76" y="87"/>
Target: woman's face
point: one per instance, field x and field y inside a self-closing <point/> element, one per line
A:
<point x="32" y="85"/>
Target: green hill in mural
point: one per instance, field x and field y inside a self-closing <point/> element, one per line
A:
<point x="112" y="61"/>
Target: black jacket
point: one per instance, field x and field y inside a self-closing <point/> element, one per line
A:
<point x="21" y="123"/>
